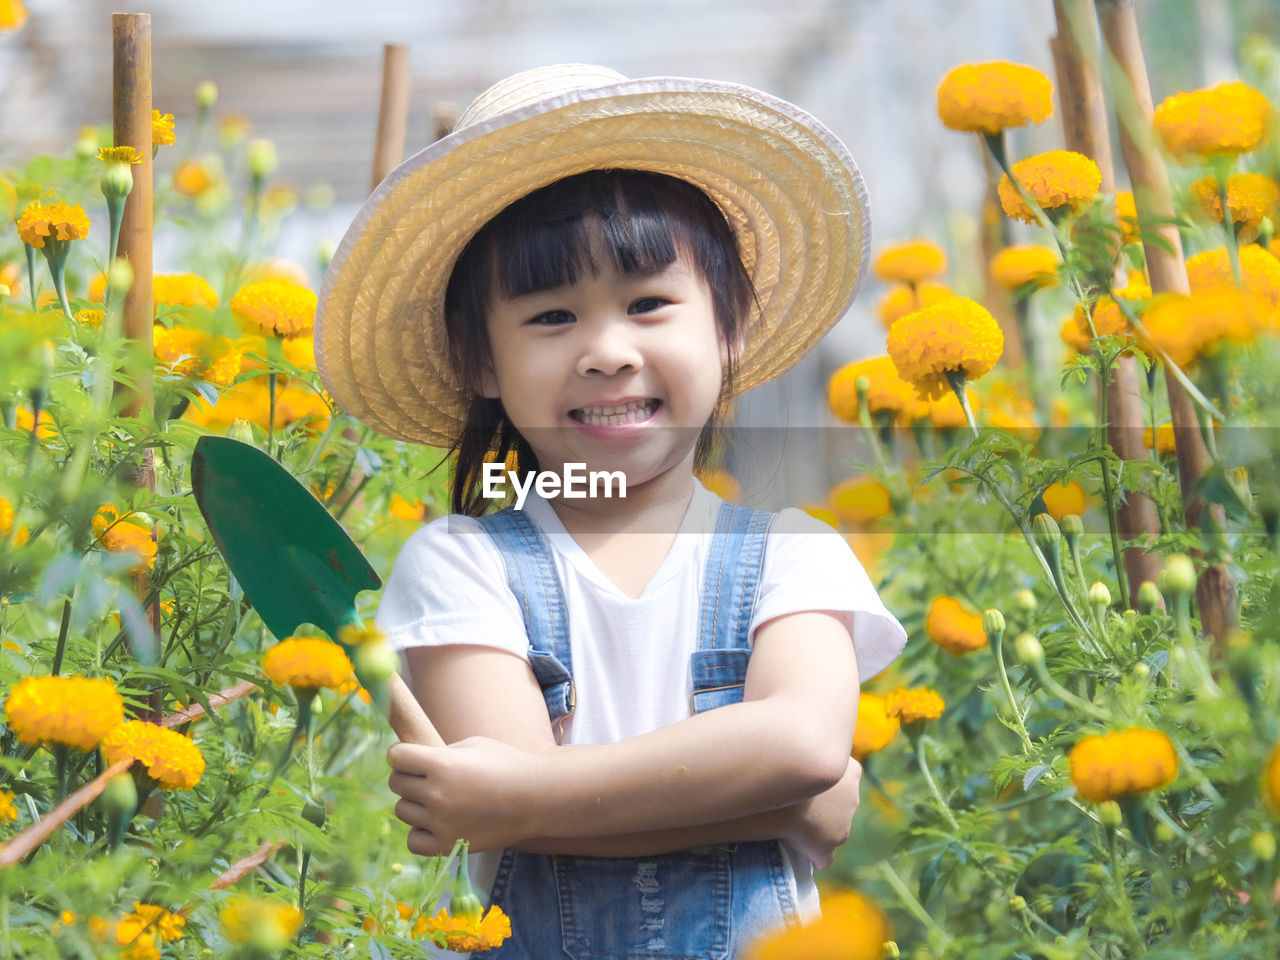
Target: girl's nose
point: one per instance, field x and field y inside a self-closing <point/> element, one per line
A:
<point x="608" y="350"/>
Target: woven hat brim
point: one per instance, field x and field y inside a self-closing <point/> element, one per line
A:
<point x="786" y="184"/>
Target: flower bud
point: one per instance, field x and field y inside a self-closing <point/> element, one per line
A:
<point x="1141" y="670"/>
<point x="1263" y="844"/>
<point x="1046" y="532"/>
<point x="1099" y="595"/>
<point x="1110" y="815"/>
<point x="1025" y="600"/>
<point x="397" y="868"/>
<point x="1017" y="903"/>
<point x="993" y="624"/>
<point x="120" y="796"/>
<point x="120" y="277"/>
<point x="862" y="385"/>
<point x="241" y="430"/>
<point x="1148" y="597"/>
<point x="1179" y="574"/>
<point x="464" y="902"/>
<point x="1072" y="525"/>
<point x="263" y="160"/>
<point x="375" y="661"/>
<point x="1028" y="649"/>
<point x="206" y="94"/>
<point x="314" y="812"/>
<point x="117" y="181"/>
<point x="1164" y="833"/>
<point x="891" y="951"/>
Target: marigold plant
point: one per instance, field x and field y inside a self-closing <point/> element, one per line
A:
<point x="1064" y="498"/>
<point x="124" y="535"/>
<point x="307" y="662"/>
<point x="875" y="729"/>
<point x="911" y="705"/>
<point x="953" y="628"/>
<point x="56" y="222"/>
<point x="1015" y="266"/>
<point x="464" y="934"/>
<point x="183" y="290"/>
<point x="161" y="128"/>
<point x="76" y="711"/>
<point x="852" y="927"/>
<point x="1251" y="197"/>
<point x="907" y="298"/>
<point x="911" y="262"/>
<point x="1259" y="271"/>
<point x="267" y="925"/>
<point x="1115" y="765"/>
<point x="168" y="757"/>
<point x="281" y="309"/>
<point x="859" y="501"/>
<point x="887" y="391"/>
<point x="1059" y="180"/>
<point x="956" y="335"/>
<point x="1230" y="118"/>
<point x="990" y="97"/>
<point x="1187" y="327"/>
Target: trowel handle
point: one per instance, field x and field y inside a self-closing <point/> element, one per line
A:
<point x="408" y="719"/>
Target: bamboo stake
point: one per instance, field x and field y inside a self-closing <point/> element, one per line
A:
<point x="131" y="127"/>
<point x="1084" y="125"/>
<point x="1215" y="594"/>
<point x="393" y="112"/>
<point x="993" y="235"/>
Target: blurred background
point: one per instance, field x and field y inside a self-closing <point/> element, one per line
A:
<point x="306" y="75"/>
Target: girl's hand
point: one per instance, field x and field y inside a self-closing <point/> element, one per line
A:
<point x="822" y="822"/>
<point x="472" y="789"/>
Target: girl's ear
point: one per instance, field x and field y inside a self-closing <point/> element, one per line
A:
<point x="488" y="381"/>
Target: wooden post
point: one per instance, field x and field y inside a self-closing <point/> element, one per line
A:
<point x="993" y="236"/>
<point x="1084" y="125"/>
<point x="393" y="112"/>
<point x="1215" y="594"/>
<point x="131" y="127"/>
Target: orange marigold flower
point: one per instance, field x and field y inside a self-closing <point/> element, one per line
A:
<point x="1063" y="498"/>
<point x="158" y="920"/>
<point x="1250" y="198"/>
<point x="403" y="509"/>
<point x="1230" y="118"/>
<point x="953" y="628"/>
<point x="183" y="290"/>
<point x="161" y="128"/>
<point x="1116" y="765"/>
<point x="1259" y="271"/>
<point x="956" y="334"/>
<point x="1127" y="214"/>
<point x="887" y="391"/>
<point x="1056" y="180"/>
<point x="52" y="222"/>
<point x="1189" y="327"/>
<point x="722" y="483"/>
<point x="1162" y="437"/>
<point x="192" y="178"/>
<point x="307" y="662"/>
<point x="1271" y="779"/>
<point x="187" y="352"/>
<point x="906" y="298"/>
<point x="170" y="758"/>
<point x="859" y="500"/>
<point x="918" y="703"/>
<point x="25" y="420"/>
<point x="6" y="516"/>
<point x="120" y="535"/>
<point x="1025" y="263"/>
<point x="852" y="927"/>
<point x="282" y="309"/>
<point x="875" y="728"/>
<point x="8" y="809"/>
<point x="76" y="711"/>
<point x="989" y="97"/>
<point x="465" y="935"/>
<point x="90" y="318"/>
<point x="12" y="15"/>
<point x="268" y="924"/>
<point x="819" y="512"/>
<point x="1108" y="319"/>
<point x="911" y="262"/>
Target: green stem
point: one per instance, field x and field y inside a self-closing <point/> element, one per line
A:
<point x="60" y="762"/>
<point x="1222" y="172"/>
<point x="56" y="256"/>
<point x="997" y="648"/>
<point x="1108" y="491"/>
<point x="1121" y="893"/>
<point x="31" y="275"/>
<point x="933" y="786"/>
<point x="61" y="647"/>
<point x="1169" y="365"/>
<point x="957" y="379"/>
<point x="1065" y="695"/>
<point x="913" y="905"/>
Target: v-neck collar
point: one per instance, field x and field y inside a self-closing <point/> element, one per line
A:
<point x="696" y="520"/>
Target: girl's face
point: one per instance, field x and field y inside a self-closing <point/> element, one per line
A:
<point x="564" y="360"/>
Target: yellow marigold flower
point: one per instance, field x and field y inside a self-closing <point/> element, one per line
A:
<point x="1055" y="180"/>
<point x="158" y="920"/>
<point x="120" y="535"/>
<point x="1127" y="215"/>
<point x="1061" y="499"/>
<point x="307" y="662"/>
<point x="945" y="411"/>
<point x="953" y="628"/>
<point x="11" y="277"/>
<point x="955" y="334"/>
<point x="908" y="298"/>
<point x="852" y="927"/>
<point x="171" y="759"/>
<point x="90" y="318"/>
<point x="859" y="500"/>
<point x="56" y="222"/>
<point x="875" y="729"/>
<point x="300" y="351"/>
<point x="462" y="935"/>
<point x="65" y="919"/>
<point x="354" y="636"/>
<point x="192" y="178"/>
<point x="1015" y="266"/>
<point x="403" y="509"/>
<point x="161" y="128"/>
<point x="183" y="290"/>
<point x="911" y="262"/>
<point x="268" y="925"/>
<point x="918" y="703"/>
<point x="1250" y="198"/>
<point x="279" y="270"/>
<point x="887" y="391"/>
<point x="76" y="711"/>
<point x="282" y="309"/>
<point x="1120" y="764"/>
<point x="989" y="97"/>
<point x="130" y="932"/>
<point x="819" y="512"/>
<point x="6" y="516"/>
<point x="1162" y="437"/>
<point x="8" y="809"/>
<point x="25" y="420"/>
<point x="1230" y="118"/>
<point x="1259" y="271"/>
<point x="12" y="15"/>
<point x="1108" y="319"/>
<point x="1190" y="327"/>
<point x="187" y="352"/>
<point x="1271" y="779"/>
<point x="119" y="155"/>
<point x="722" y="483"/>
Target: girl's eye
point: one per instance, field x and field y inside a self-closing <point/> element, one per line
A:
<point x="649" y="304"/>
<point x="552" y="318"/>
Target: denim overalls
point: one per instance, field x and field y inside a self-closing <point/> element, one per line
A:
<point x="706" y="902"/>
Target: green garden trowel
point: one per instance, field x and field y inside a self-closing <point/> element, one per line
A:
<point x="293" y="560"/>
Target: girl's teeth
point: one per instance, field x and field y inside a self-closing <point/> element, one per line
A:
<point x="617" y="415"/>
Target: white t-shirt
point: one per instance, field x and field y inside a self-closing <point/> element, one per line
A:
<point x="630" y="655"/>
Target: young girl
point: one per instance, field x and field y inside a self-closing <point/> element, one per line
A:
<point x="649" y="698"/>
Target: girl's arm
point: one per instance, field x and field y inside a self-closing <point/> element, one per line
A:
<point x="786" y="742"/>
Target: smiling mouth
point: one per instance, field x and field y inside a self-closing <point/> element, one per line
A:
<point x="614" y="416"/>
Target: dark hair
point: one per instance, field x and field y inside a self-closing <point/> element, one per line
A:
<point x="541" y="241"/>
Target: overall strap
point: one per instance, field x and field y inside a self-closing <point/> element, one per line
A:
<point x="734" y="566"/>
<point x="531" y="574"/>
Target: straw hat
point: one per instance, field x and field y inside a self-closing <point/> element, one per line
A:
<point x="785" y="183"/>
